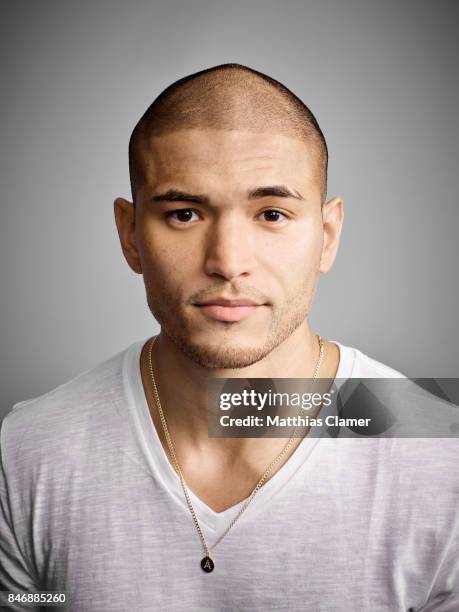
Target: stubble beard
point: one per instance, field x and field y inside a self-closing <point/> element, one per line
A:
<point x="285" y="320"/>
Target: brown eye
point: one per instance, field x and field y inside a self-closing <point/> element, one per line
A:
<point x="273" y="216"/>
<point x="182" y="215"/>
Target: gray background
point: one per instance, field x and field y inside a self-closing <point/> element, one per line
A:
<point x="381" y="78"/>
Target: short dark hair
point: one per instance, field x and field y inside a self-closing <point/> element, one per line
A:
<point x="227" y="96"/>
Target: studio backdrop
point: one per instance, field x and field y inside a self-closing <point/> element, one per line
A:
<point x="382" y="81"/>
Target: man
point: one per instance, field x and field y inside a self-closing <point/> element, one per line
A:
<point x="112" y="490"/>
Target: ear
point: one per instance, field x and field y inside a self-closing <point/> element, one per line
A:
<point x="332" y="217"/>
<point x="125" y="222"/>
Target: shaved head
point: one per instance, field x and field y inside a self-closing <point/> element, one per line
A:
<point x="227" y="97"/>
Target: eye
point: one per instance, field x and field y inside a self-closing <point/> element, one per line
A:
<point x="274" y="216"/>
<point x="182" y="216"/>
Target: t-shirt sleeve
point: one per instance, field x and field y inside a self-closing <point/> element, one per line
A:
<point x="444" y="588"/>
<point x="445" y="595"/>
<point x="15" y="574"/>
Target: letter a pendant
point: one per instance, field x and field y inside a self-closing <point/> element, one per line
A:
<point x="207" y="564"/>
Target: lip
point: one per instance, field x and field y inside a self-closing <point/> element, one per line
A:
<point x="223" y="309"/>
<point x="227" y="302"/>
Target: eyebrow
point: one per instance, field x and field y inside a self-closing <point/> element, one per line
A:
<point x="277" y="191"/>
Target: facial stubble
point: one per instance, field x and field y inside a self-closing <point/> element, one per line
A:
<point x="285" y="320"/>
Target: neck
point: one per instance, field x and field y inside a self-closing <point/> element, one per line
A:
<point x="185" y="404"/>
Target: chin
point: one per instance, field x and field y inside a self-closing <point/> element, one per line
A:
<point x="221" y="353"/>
<point x="224" y="358"/>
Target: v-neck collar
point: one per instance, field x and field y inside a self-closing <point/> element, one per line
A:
<point x="213" y="522"/>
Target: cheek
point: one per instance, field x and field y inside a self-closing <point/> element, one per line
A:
<point x="166" y="265"/>
<point x="306" y="247"/>
<point x="294" y="260"/>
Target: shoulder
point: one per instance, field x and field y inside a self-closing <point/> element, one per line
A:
<point x="65" y="415"/>
<point x="356" y="364"/>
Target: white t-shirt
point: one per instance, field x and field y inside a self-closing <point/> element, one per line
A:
<point x="90" y="506"/>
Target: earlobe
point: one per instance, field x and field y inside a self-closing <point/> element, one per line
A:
<point x="125" y="223"/>
<point x="332" y="217"/>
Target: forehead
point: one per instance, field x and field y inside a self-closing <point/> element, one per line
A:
<point x="209" y="156"/>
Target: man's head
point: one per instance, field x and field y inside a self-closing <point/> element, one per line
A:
<point x="227" y="97"/>
<point x="228" y="174"/>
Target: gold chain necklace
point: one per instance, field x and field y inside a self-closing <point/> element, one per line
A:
<point x="207" y="563"/>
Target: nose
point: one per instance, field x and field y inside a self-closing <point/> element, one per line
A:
<point x="230" y="250"/>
